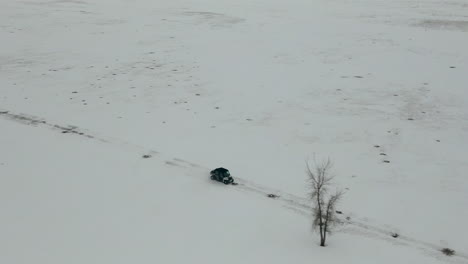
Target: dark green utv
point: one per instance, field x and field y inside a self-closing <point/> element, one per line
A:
<point x="221" y="175"/>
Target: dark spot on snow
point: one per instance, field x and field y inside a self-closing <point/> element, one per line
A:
<point x="146" y="156"/>
<point x="338" y="212"/>
<point x="383" y="154"/>
<point x="395" y="235"/>
<point x="75" y="92"/>
<point x="358" y="76"/>
<point x="437" y="140"/>
<point x="217" y="107"/>
<point x="348" y="218"/>
<point x="410" y="119"/>
<point x="386" y="161"/>
<point x="376" y="146"/>
<point x="452" y="67"/>
<point x="271" y="195"/>
<point x="197" y="94"/>
<point x="248" y="119"/>
<point x="395" y="95"/>
<point x="448" y="251"/>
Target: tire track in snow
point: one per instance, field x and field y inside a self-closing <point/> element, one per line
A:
<point x="292" y="202"/>
<point x="36" y="121"/>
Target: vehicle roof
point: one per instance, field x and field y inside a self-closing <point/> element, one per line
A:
<point x="221" y="169"/>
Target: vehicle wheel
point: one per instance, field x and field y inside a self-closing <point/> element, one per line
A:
<point x="226" y="182"/>
<point x="212" y="177"/>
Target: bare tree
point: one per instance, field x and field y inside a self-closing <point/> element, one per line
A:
<point x="324" y="203"/>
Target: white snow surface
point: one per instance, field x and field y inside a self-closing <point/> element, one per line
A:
<point x="259" y="87"/>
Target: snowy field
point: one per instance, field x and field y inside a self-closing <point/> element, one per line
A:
<point x="259" y="87"/>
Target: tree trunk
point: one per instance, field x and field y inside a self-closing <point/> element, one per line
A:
<point x="319" y="204"/>
<point x="321" y="235"/>
<point x="322" y="239"/>
<point x="322" y="242"/>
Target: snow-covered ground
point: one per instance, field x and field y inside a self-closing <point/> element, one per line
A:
<point x="256" y="86"/>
